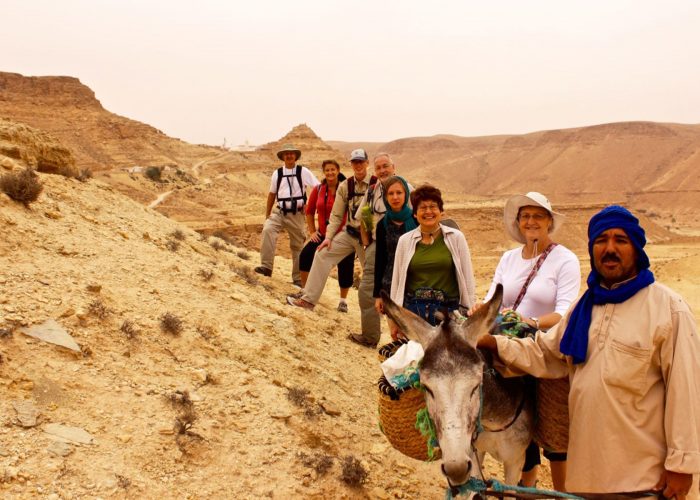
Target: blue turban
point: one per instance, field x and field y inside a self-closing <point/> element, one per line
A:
<point x="574" y="343"/>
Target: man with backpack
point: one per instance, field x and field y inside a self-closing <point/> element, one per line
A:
<point x="288" y="187"/>
<point x="338" y="244"/>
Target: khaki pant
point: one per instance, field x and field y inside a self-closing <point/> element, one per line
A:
<point x="294" y="225"/>
<point x="344" y="244"/>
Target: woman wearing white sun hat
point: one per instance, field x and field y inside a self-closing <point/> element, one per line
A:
<point x="540" y="279"/>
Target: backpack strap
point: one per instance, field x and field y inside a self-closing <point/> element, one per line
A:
<point x="291" y="199"/>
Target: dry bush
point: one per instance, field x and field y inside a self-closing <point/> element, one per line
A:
<point x="206" y="274"/>
<point x="243" y="254"/>
<point x="6" y="332"/>
<point x="153" y="173"/>
<point x="202" y="236"/>
<point x="298" y="395"/>
<point x="129" y="329"/>
<point x="169" y="323"/>
<point x="185" y="420"/>
<point x="353" y="472"/>
<point x="23" y="186"/>
<point x="178" y="234"/>
<point x="66" y="171"/>
<point x="84" y="175"/>
<point x="98" y="309"/>
<point x="123" y="482"/>
<point x="217" y="244"/>
<point x="222" y="235"/>
<point x="319" y="462"/>
<point x="172" y="245"/>
<point x="246" y="273"/>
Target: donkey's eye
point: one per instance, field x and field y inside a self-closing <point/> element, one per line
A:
<point x="427" y="389"/>
<point x="474" y="391"/>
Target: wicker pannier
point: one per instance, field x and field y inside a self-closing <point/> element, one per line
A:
<point x="552" y="427"/>
<point x="397" y="414"/>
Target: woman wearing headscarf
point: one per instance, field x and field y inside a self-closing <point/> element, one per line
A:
<point x="397" y="221"/>
<point x="541" y="279"/>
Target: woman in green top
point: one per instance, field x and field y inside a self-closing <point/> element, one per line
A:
<point x="432" y="266"/>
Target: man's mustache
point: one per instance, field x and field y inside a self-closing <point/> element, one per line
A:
<point x="610" y="257"/>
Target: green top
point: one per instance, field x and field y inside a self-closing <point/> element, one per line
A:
<point x="431" y="267"/>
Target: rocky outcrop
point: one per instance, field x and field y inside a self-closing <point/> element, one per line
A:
<point x="22" y="144"/>
<point x="99" y="139"/>
<point x="313" y="149"/>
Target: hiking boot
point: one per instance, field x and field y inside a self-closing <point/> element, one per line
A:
<point x="342" y="307"/>
<point x="263" y="270"/>
<point x="300" y="303"/>
<point x="360" y="339"/>
<point x="297" y="295"/>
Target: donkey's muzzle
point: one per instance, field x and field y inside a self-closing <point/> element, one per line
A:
<point x="457" y="473"/>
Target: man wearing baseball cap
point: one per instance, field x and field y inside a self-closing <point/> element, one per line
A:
<point x="288" y="187"/>
<point x="339" y="244"/>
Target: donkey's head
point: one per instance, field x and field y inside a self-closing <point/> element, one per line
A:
<point x="451" y="374"/>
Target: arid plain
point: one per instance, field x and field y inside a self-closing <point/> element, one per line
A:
<point x="279" y="398"/>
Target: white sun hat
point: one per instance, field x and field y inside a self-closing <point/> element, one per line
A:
<point x="531" y="199"/>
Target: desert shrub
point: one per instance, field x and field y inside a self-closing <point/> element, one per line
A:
<point x="23" y="186"/>
<point x="67" y="171"/>
<point x="153" y="173"/>
<point x="246" y="273"/>
<point x="129" y="329"/>
<point x="6" y="332"/>
<point x="353" y="472"/>
<point x="123" y="482"/>
<point x="206" y="274"/>
<point x="319" y="462"/>
<point x="84" y="175"/>
<point x="98" y="309"/>
<point x="243" y="254"/>
<point x="178" y="234"/>
<point x="169" y="323"/>
<point x="298" y="396"/>
<point x="217" y="244"/>
<point x="172" y="245"/>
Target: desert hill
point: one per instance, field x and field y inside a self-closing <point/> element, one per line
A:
<point x="643" y="164"/>
<point x="98" y="139"/>
<point x="277" y="393"/>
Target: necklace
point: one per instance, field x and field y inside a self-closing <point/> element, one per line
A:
<point x="431" y="234"/>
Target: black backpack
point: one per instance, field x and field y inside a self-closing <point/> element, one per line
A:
<point x="352" y="194"/>
<point x="292" y="199"/>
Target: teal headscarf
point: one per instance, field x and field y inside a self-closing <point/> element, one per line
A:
<point x="404" y="215"/>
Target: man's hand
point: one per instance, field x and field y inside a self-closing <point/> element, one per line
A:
<point x="379" y="306"/>
<point x="316" y="237"/>
<point x="326" y="243"/>
<point x="674" y="484"/>
<point x="395" y="331"/>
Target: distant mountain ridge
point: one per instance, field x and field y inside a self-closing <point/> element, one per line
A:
<point x="646" y="164"/>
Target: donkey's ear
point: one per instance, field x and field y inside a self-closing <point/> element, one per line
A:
<point x="414" y="327"/>
<point x="481" y="322"/>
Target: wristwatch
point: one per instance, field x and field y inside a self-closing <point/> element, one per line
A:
<point x="537" y="322"/>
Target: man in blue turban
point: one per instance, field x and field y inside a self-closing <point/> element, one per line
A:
<point x="631" y="350"/>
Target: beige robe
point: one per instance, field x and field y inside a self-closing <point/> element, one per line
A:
<point x="634" y="405"/>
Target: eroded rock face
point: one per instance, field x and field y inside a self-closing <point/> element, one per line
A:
<point x="313" y="149"/>
<point x="98" y="139"/>
<point x="33" y="147"/>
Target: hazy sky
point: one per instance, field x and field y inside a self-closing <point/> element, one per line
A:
<point x="377" y="70"/>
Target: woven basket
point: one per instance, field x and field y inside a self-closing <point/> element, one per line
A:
<point x="397" y="414"/>
<point x="552" y="428"/>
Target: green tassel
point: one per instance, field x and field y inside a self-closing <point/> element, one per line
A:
<point x="367" y="218"/>
<point x="427" y="429"/>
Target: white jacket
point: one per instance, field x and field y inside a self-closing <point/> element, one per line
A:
<point x="457" y="245"/>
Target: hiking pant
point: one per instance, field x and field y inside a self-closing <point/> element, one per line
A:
<point x="346" y="267"/>
<point x="342" y="245"/>
<point x="294" y="225"/>
<point x="371" y="322"/>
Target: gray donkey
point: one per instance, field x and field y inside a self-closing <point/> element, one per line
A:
<point x="462" y="390"/>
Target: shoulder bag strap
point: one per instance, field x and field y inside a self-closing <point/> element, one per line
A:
<point x="532" y="274"/>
